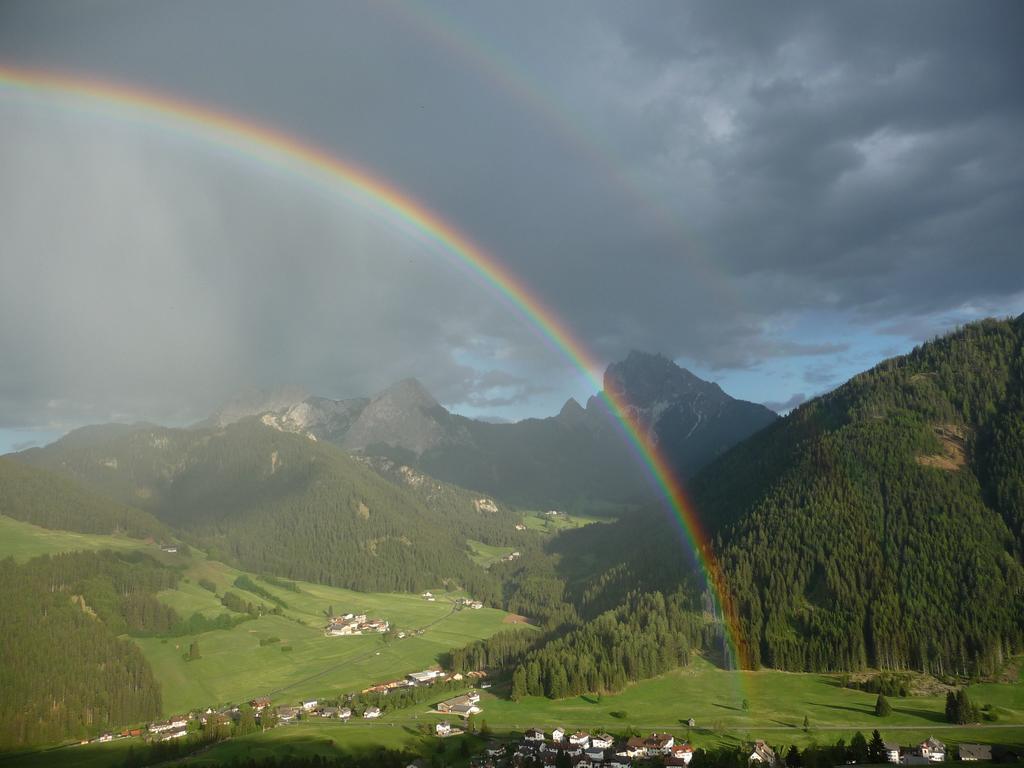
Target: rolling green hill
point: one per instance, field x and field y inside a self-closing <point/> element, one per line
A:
<point x="878" y="525"/>
<point x="125" y="606"/>
<point x="38" y="496"/>
<point x="881" y="524"/>
<point x="282" y="503"/>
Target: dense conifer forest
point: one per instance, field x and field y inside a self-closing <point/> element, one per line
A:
<point x="879" y="525"/>
<point x="282" y="504"/>
<point x="65" y="671"/>
<point x="50" y="501"/>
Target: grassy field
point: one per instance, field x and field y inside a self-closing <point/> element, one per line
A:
<point x="327" y="739"/>
<point x="538" y="521"/>
<point x="302" y="662"/>
<point x="486" y="555"/>
<point x="777" y="703"/>
<point x="235" y="667"/>
<point x="23" y="541"/>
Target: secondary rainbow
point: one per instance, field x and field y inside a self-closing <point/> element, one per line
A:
<point x="278" y="149"/>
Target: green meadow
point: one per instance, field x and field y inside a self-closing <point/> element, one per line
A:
<point x="775" y="708"/>
<point x="486" y="555"/>
<point x="538" y="521"/>
<point x="23" y="541"/>
<point x="296" y="660"/>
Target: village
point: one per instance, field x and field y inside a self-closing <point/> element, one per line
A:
<point x="536" y="746"/>
<point x="584" y="750"/>
<point x="351" y="624"/>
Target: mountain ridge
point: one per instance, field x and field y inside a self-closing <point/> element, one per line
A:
<point x="530" y="461"/>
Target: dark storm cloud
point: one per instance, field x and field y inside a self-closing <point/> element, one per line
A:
<point x="687" y="178"/>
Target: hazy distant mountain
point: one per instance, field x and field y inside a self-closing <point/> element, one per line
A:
<point x="576" y="458"/>
<point x="253" y="402"/>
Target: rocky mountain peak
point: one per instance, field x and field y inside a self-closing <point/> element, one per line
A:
<point x="644" y="379"/>
<point x="254" y="401"/>
<point x="408" y="393"/>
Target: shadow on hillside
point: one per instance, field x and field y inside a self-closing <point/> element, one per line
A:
<point x="858" y="710"/>
<point x="924" y="714"/>
<point x="726" y="706"/>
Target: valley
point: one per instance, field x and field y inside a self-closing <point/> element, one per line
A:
<point x="205" y="564"/>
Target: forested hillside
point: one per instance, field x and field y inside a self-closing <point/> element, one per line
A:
<point x="282" y="503"/>
<point x="881" y="524"/>
<point x="48" y="500"/>
<point x="65" y="672"/>
<point x="878" y="525"/>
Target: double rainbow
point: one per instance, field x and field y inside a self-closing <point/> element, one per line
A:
<point x="316" y="165"/>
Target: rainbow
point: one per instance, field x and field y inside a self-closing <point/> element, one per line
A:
<point x="273" y="147"/>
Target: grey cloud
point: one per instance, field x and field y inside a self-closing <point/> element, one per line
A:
<point x="665" y="176"/>
<point x="786" y="406"/>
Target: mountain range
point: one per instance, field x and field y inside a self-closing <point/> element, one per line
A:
<point x="574" y="459"/>
<point x="877" y="526"/>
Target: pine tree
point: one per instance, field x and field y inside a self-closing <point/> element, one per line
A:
<point x="518" y="683"/>
<point x="876" y="748"/>
<point x="882" y="708"/>
<point x="859" y="748"/>
<point x="793" y="757"/>
<point x="951" y="707"/>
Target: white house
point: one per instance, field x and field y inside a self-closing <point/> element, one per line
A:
<point x="371" y="712"/>
<point x="175" y="723"/>
<point x="762" y="754"/>
<point x="580" y="738"/>
<point x="534" y="735"/>
<point x="558" y="734"/>
<point x="424" y="677"/>
<point x="594" y="754"/>
<point x="649" y="746"/>
<point x="344" y="713"/>
<point x="933" y="749"/>
<point x="681" y="753"/>
<point x="309" y="706"/>
<point x="444" y="728"/>
<point x="892" y="752"/>
<point x="601" y="741"/>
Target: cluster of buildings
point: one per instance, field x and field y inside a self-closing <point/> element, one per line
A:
<point x="426" y="677"/>
<point x="307" y="708"/>
<point x="469" y="603"/>
<point x="170" y="729"/>
<point x="461" y="706"/>
<point x="354" y="624"/>
<point x="931" y="750"/>
<point x="583" y="750"/>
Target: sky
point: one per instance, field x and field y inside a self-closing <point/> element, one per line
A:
<point x="776" y="196"/>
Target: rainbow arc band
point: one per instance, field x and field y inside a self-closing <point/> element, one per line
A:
<point x="269" y="146"/>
